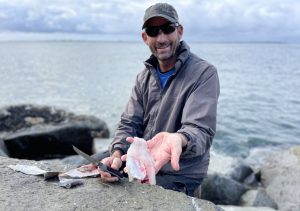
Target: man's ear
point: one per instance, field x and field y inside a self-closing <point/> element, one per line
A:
<point x="180" y="31"/>
<point x="145" y="38"/>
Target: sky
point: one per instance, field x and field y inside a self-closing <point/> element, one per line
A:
<point x="121" y="20"/>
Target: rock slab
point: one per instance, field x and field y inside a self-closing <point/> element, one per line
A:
<point x="26" y="192"/>
<point x="44" y="132"/>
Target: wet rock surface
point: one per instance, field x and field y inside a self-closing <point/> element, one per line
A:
<point x="26" y="192"/>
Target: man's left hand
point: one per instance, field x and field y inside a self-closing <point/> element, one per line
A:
<point x="165" y="147"/>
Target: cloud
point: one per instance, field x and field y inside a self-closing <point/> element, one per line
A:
<point x="208" y="20"/>
<point x="238" y="19"/>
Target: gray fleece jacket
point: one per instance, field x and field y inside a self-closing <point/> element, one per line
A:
<point x="187" y="105"/>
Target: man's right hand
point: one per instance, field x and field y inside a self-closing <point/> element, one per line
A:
<point x="115" y="162"/>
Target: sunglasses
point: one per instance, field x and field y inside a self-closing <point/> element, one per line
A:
<point x="167" y="28"/>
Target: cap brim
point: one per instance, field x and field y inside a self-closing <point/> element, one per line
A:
<point x="172" y="20"/>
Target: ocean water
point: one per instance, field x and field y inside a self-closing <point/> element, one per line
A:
<point x="259" y="105"/>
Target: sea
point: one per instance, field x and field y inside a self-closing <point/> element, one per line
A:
<point x="259" y="104"/>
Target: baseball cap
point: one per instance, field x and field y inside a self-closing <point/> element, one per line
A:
<point x="164" y="10"/>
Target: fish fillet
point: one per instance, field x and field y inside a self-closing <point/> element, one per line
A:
<point x="139" y="162"/>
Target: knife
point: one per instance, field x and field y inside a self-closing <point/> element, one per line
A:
<point x="102" y="166"/>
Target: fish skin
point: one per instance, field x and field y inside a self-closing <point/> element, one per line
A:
<point x="139" y="162"/>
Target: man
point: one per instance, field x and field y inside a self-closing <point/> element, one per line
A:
<point x="173" y="105"/>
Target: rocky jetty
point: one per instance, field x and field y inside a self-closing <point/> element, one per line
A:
<point x="42" y="132"/>
<point x="27" y="192"/>
<point x="274" y="185"/>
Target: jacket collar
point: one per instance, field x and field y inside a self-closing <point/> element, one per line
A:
<point x="182" y="53"/>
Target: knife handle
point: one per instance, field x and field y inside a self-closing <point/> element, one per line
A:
<point x="114" y="172"/>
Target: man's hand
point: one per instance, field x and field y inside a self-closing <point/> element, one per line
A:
<point x="114" y="161"/>
<point x="165" y="147"/>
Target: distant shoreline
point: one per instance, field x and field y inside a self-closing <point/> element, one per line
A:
<point x="138" y="41"/>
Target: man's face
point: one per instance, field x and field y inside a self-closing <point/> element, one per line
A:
<point x="163" y="46"/>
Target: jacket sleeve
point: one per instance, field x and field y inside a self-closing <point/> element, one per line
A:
<point x="200" y="114"/>
<point x="131" y="123"/>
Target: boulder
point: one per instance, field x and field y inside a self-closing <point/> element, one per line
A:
<point x="258" y="198"/>
<point x="27" y="192"/>
<point x="253" y="180"/>
<point x="3" y="149"/>
<point x="280" y="177"/>
<point x="241" y="172"/>
<point x="221" y="189"/>
<point x="42" y="132"/>
<point x="237" y="208"/>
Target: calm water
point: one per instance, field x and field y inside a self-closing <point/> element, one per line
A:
<point x="259" y="104"/>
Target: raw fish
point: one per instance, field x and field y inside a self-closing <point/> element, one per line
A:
<point x="34" y="170"/>
<point x="81" y="172"/>
<point x="139" y="162"/>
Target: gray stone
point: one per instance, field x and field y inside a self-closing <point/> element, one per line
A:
<point x="258" y="198"/>
<point x="42" y="132"/>
<point x="222" y="190"/>
<point x="27" y="192"/>
<point x="241" y="172"/>
<point x="238" y="208"/>
<point x="262" y="199"/>
<point x="248" y="198"/>
<point x="3" y="149"/>
<point x="252" y="180"/>
<point x="280" y="177"/>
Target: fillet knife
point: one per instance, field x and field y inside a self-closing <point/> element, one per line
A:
<point x="102" y="166"/>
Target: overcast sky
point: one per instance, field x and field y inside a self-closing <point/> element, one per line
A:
<point x="203" y="20"/>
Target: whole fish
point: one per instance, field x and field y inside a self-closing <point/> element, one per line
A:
<point x="139" y="162"/>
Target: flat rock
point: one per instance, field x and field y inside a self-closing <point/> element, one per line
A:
<point x="26" y="192"/>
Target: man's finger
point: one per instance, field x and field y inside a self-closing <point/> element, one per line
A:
<point x="107" y="161"/>
<point x="110" y="179"/>
<point x="104" y="174"/>
<point x="158" y="165"/>
<point x="106" y="177"/>
<point x="130" y="139"/>
<point x="175" y="154"/>
<point x="116" y="164"/>
<point x="89" y="167"/>
<point x="158" y="138"/>
<point x="124" y="157"/>
<point x="175" y="161"/>
<point x="151" y="143"/>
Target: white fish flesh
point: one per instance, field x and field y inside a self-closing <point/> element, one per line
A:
<point x="139" y="162"/>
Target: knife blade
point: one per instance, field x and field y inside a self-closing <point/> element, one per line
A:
<point x="102" y="166"/>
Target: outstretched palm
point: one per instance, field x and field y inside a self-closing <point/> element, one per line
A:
<point x="165" y="147"/>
